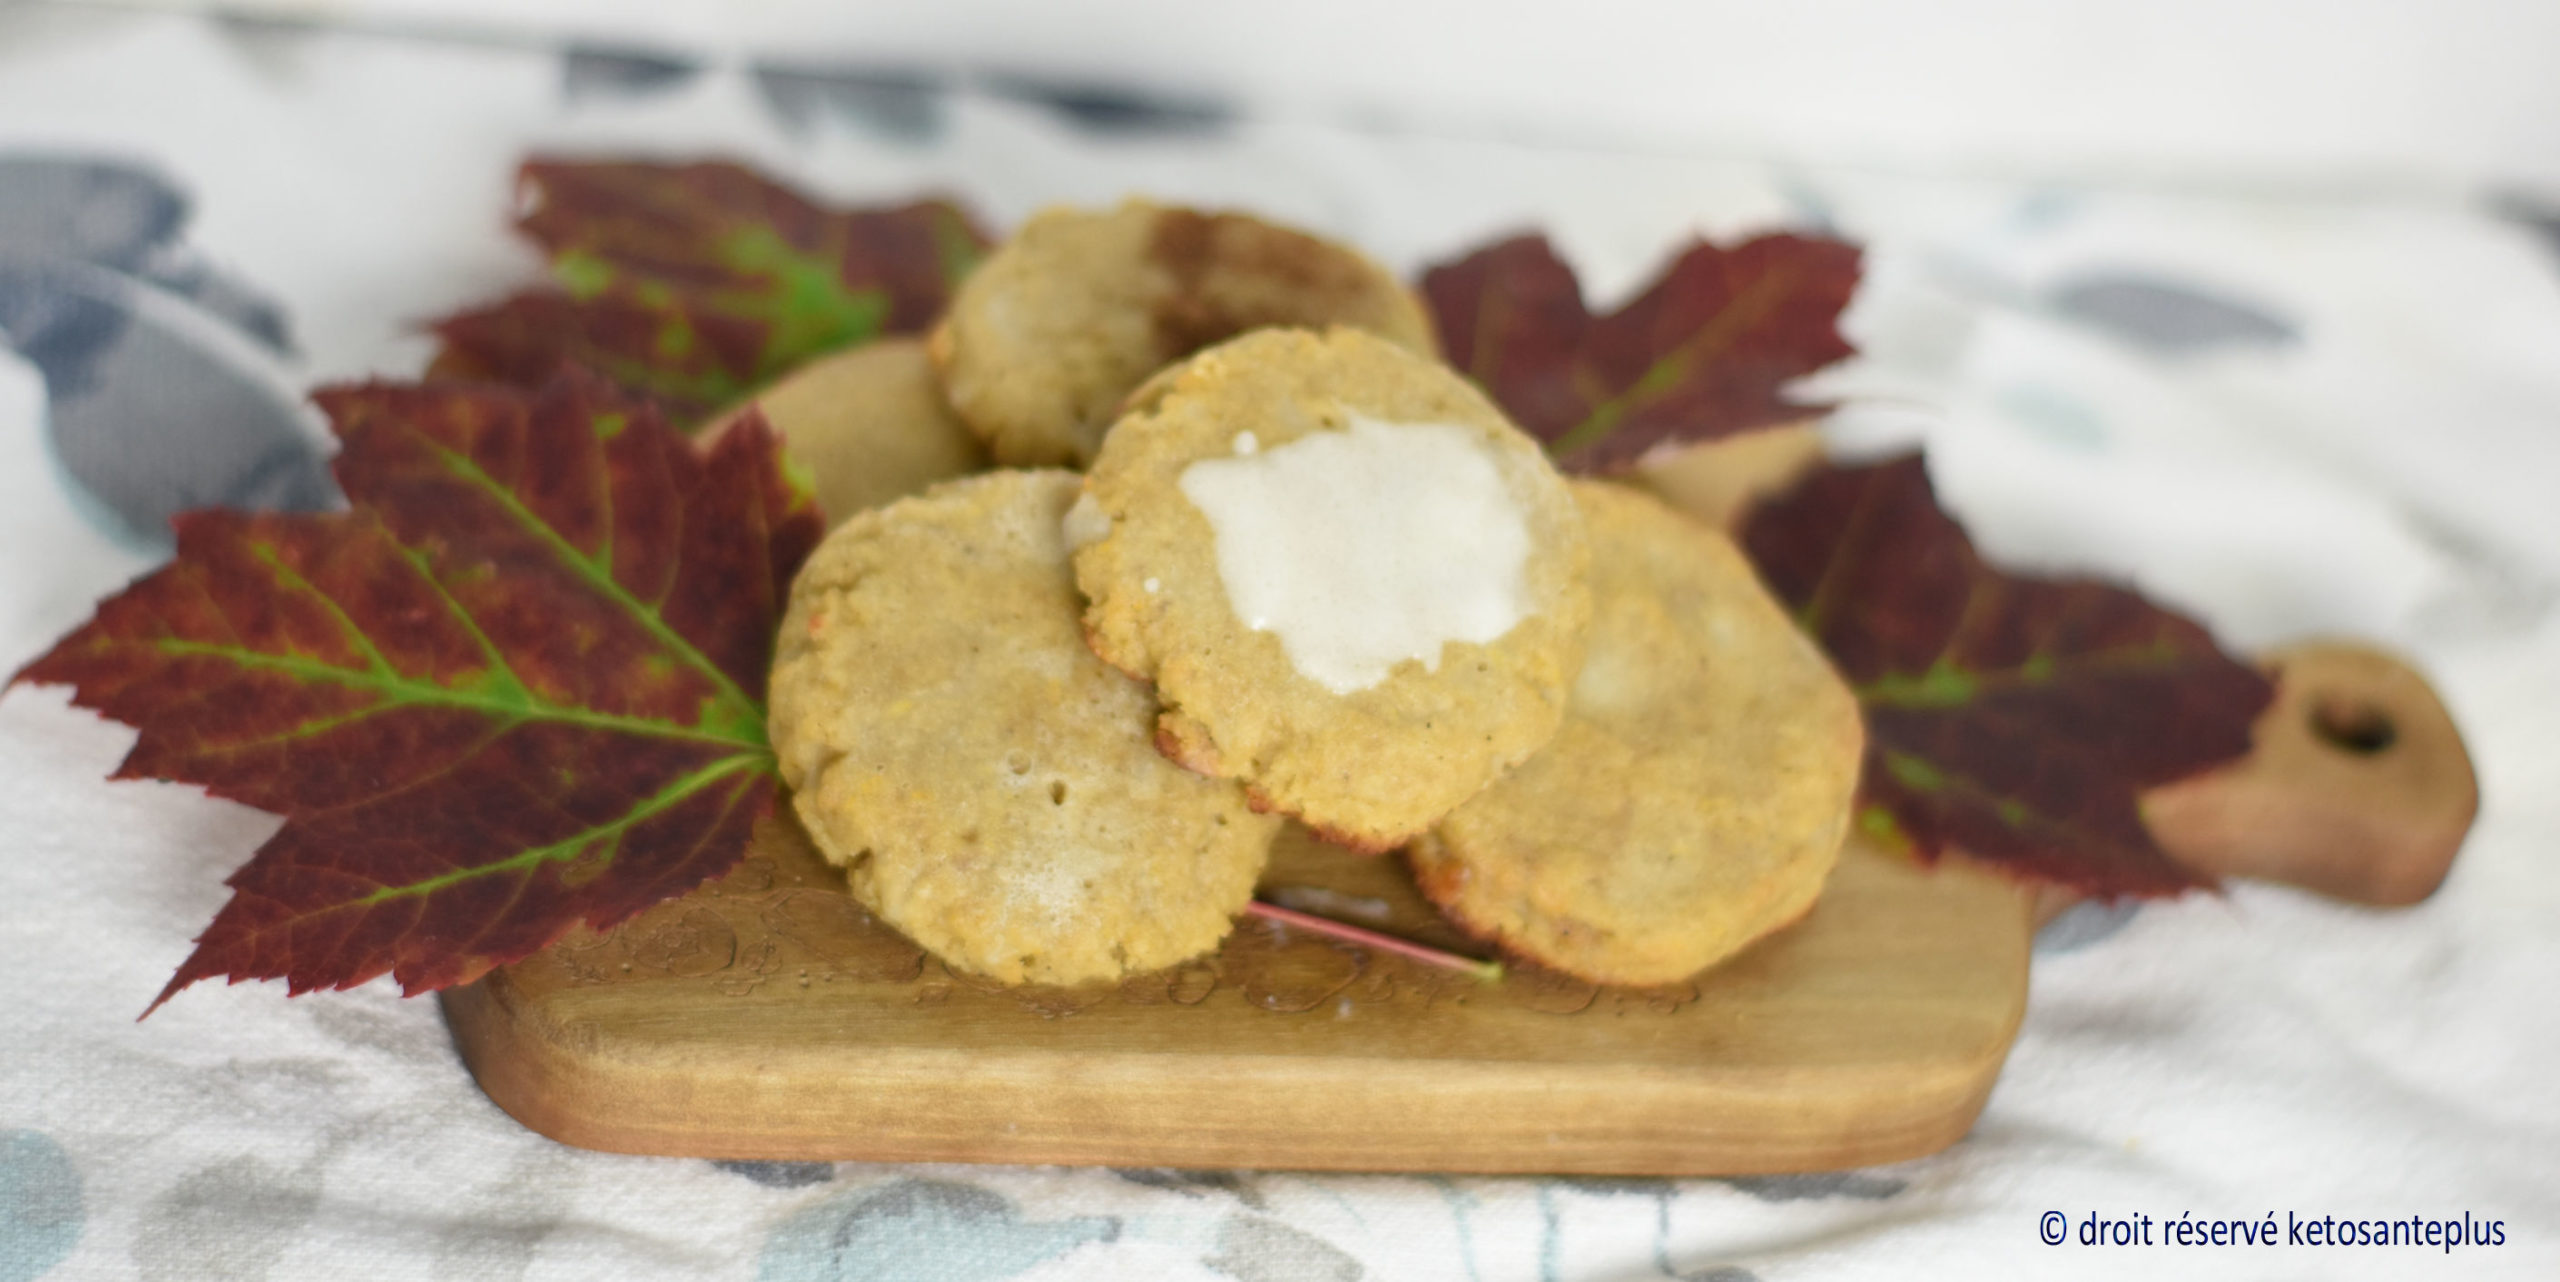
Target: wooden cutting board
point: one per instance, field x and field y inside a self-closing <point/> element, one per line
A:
<point x="768" y="1016"/>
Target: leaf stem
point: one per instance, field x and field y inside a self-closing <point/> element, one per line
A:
<point x="1489" y="972"/>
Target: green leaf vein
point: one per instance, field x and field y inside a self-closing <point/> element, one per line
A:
<point x="512" y="707"/>
<point x="577" y="844"/>
<point x="1673" y="367"/>
<point x="1928" y="778"/>
<point x="743" y="709"/>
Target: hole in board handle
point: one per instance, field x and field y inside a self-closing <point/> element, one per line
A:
<point x="2353" y="727"/>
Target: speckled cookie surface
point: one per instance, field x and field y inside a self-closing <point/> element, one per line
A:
<point x="869" y="424"/>
<point x="990" y="787"/>
<point x="1698" y="792"/>
<point x="1370" y="768"/>
<point x="1049" y="334"/>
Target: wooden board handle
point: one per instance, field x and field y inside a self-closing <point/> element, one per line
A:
<point x="2357" y="787"/>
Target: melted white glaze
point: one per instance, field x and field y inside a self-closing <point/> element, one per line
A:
<point x="1369" y="546"/>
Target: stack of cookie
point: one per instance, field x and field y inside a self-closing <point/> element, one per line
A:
<point x="1049" y="723"/>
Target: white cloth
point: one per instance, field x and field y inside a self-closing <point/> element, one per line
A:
<point x="2288" y="415"/>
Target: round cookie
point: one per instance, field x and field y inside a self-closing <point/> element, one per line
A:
<point x="1699" y="790"/>
<point x="1046" y="336"/>
<point x="869" y="424"/>
<point x="989" y="786"/>
<point x="1379" y="609"/>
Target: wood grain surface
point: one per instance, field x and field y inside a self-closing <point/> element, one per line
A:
<point x="768" y="1016"/>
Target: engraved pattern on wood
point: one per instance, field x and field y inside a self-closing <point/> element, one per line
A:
<point x="1869" y="1032"/>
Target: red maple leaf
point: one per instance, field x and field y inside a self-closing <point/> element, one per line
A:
<point x="699" y="283"/>
<point x="1705" y="351"/>
<point x="518" y="685"/>
<point x="2016" y="719"/>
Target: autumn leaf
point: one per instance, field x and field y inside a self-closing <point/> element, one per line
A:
<point x="1705" y="351"/>
<point x="517" y="686"/>
<point x="2016" y="719"/>
<point x="699" y="283"/>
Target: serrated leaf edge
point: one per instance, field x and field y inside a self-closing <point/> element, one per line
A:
<point x="1668" y="370"/>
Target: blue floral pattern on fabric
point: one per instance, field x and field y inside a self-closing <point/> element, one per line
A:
<point x="593" y="74"/>
<point x="2168" y="317"/>
<point x="899" y="106"/>
<point x="164" y="383"/>
<point x="921" y="1229"/>
<point x="781" y="1175"/>
<point x="41" y="1211"/>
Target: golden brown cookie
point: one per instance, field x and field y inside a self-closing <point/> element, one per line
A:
<point x="1698" y="792"/>
<point x="1355" y="585"/>
<point x="868" y="423"/>
<point x="1045" y="337"/>
<point x="990" y="787"/>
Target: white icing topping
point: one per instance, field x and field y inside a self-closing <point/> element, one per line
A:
<point x="1085" y="523"/>
<point x="1247" y="443"/>
<point x="1369" y="546"/>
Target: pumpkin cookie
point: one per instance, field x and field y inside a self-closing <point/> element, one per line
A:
<point x="1699" y="790"/>
<point x="1045" y="337"/>
<point x="988" y="785"/>
<point x="868" y="423"/>
<point x="1355" y="585"/>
